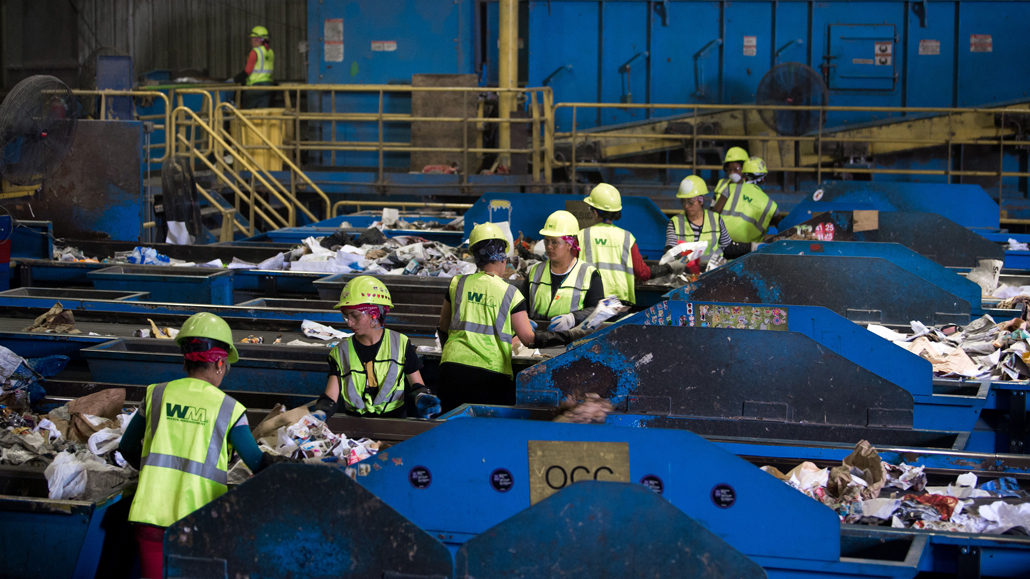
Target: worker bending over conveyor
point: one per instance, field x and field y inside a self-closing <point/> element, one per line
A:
<point x="367" y="370"/>
<point x="697" y="223"/>
<point x="481" y="316"/>
<point x="563" y="290"/>
<point x="613" y="250"/>
<point x="182" y="437"/>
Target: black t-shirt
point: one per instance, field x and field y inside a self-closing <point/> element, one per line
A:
<point x="366" y="354"/>
<point x="595" y="289"/>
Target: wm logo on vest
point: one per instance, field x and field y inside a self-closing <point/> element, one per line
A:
<point x="480" y="299"/>
<point x="600" y="242"/>
<point x="748" y="199"/>
<point x="190" y="414"/>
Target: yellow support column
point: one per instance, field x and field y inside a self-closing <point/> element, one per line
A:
<point x="508" y="71"/>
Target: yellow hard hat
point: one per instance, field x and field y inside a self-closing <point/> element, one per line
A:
<point x="692" y="186"/>
<point x="559" y="224"/>
<point x="210" y="326"/>
<point x="735" y="155"/>
<point x="259" y="32"/>
<point x="484" y="231"/>
<point x="605" y="197"/>
<point x="364" y="289"/>
<point x="754" y="166"/>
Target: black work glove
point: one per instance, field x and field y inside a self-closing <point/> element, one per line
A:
<point x="325" y="406"/>
<point x="241" y="77"/>
<point x="545" y="339"/>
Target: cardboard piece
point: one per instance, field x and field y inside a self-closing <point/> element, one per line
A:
<point x="866" y="221"/>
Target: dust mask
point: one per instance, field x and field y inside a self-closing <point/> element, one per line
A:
<point x="735" y="177"/>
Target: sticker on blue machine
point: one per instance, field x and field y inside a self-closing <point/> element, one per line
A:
<point x="501" y="480"/>
<point x="419" y="477"/>
<point x="723" y="495"/>
<point x="653" y="482"/>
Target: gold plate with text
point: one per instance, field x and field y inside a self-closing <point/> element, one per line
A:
<point x="553" y="465"/>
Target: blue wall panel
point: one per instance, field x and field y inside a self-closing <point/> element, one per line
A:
<point x="743" y="71"/>
<point x="999" y="75"/>
<point x="565" y="33"/>
<point x="624" y="27"/>
<point x="673" y="50"/>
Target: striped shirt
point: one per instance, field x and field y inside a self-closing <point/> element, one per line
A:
<point x="671" y="240"/>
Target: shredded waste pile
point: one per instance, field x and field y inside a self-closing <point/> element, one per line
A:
<point x="983" y="349"/>
<point x="76" y="443"/>
<point x="867" y="491"/>
<point x="298" y="434"/>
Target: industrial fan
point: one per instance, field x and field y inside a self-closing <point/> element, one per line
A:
<point x="37" y="124"/>
<point x="791" y="84"/>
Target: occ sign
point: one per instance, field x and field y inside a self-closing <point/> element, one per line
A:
<point x="554" y="465"/>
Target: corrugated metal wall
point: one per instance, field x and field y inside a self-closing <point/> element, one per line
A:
<point x="210" y="36"/>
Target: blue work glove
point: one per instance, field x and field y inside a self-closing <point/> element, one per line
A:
<point x="562" y="323"/>
<point x="532" y="323"/>
<point x="319" y="414"/>
<point x="427" y="405"/>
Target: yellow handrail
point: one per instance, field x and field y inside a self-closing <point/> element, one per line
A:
<point x="254" y="171"/>
<point x="279" y="153"/>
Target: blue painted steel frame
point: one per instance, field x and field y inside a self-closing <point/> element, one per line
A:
<point x="528" y="212"/>
<point x="482" y="446"/>
<point x="895" y="253"/>
<point x="967" y="205"/>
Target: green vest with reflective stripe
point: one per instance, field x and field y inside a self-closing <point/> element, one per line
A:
<point x="710" y="232"/>
<point x="610" y="250"/>
<point x="747" y="213"/>
<point x="480" y="334"/>
<point x="721" y="187"/>
<point x="389" y="370"/>
<point x="569" y="298"/>
<point x="185" y="450"/>
<point x="262" y="71"/>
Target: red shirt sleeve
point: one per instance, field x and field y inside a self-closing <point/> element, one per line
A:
<point x="251" y="61"/>
<point x="640" y="269"/>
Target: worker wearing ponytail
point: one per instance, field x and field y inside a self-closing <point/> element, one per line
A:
<point x="182" y="437"/>
<point x="480" y="317"/>
<point x="258" y="72"/>
<point x="368" y="370"/>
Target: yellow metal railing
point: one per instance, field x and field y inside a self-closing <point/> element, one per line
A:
<point x="539" y="121"/>
<point x="932" y="127"/>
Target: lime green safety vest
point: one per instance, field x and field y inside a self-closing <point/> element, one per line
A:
<point x="610" y="250"/>
<point x="721" y="187"/>
<point x="480" y="334"/>
<point x="747" y="213"/>
<point x="710" y="232"/>
<point x="185" y="450"/>
<point x="389" y="370"/>
<point x="569" y="298"/>
<point x="262" y="71"/>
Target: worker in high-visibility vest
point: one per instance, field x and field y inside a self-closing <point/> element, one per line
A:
<point x="481" y="316"/>
<point x="745" y="208"/>
<point x="258" y="72"/>
<point x="367" y="370"/>
<point x="613" y="250"/>
<point x="182" y="436"/>
<point x="563" y="290"/>
<point x="697" y="223"/>
<point x="733" y="165"/>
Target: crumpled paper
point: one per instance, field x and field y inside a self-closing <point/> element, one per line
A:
<point x="57" y="320"/>
<point x="322" y="332"/>
<point x="83" y="476"/>
<point x="865" y="459"/>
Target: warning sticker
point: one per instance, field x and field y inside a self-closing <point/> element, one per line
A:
<point x="862" y="61"/>
<point x="384" y="45"/>
<point x="333" y="42"/>
<point x="929" y="47"/>
<point x="884" y="48"/>
<point x="883" y="60"/>
<point x="750" y="45"/>
<point x="981" y="43"/>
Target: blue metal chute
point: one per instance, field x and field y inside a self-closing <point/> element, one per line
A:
<point x="896" y="253"/>
<point x="301" y="520"/>
<point x="862" y="289"/>
<point x="602" y="529"/>
<point x="444" y="481"/>
<point x="928" y="234"/>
